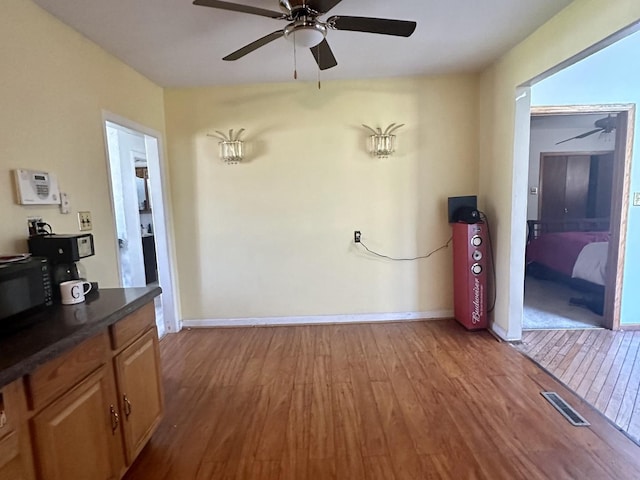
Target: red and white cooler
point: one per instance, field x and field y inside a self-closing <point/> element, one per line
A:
<point x="470" y="274"/>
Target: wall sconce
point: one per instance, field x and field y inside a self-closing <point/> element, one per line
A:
<point x="231" y="147"/>
<point x="382" y="144"/>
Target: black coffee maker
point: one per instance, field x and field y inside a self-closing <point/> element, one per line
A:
<point x="64" y="252"/>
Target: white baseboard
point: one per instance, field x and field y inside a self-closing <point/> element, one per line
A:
<point x="317" y="319"/>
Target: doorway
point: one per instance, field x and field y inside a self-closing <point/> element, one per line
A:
<point x="139" y="213"/>
<point x="580" y="215"/>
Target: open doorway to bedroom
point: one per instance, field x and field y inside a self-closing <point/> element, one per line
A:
<point x="578" y="156"/>
<point x="599" y="365"/>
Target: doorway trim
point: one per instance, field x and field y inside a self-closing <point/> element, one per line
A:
<point x="162" y="231"/>
<point x="620" y="195"/>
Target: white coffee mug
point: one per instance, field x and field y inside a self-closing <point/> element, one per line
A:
<point x="74" y="291"/>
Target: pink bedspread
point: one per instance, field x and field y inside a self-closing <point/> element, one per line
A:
<point x="560" y="250"/>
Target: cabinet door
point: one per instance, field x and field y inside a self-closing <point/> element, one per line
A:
<point x="16" y="462"/>
<point x="78" y="436"/>
<point x="140" y="389"/>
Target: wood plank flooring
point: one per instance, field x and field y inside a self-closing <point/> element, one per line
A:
<point x="601" y="366"/>
<point x="415" y="400"/>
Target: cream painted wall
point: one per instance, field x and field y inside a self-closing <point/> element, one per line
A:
<point x="273" y="237"/>
<point x="503" y="180"/>
<point x="53" y="87"/>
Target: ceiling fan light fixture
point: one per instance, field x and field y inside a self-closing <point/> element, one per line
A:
<point x="305" y="34"/>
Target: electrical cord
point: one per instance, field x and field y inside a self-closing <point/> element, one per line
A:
<point x="485" y="219"/>
<point x="446" y="245"/>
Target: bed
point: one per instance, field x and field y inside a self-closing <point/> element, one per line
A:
<point x="573" y="251"/>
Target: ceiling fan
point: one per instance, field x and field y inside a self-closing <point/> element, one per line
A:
<point x="603" y="125"/>
<point x="306" y="30"/>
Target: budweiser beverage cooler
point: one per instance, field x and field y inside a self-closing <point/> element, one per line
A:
<point x="470" y="274"/>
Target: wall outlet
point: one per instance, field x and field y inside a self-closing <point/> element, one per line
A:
<point x="32" y="225"/>
<point x="636" y="199"/>
<point x="84" y="221"/>
<point x="356" y="236"/>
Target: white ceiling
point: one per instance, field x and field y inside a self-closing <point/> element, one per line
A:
<point x="177" y="44"/>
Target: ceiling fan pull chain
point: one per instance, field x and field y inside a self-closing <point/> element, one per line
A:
<point x="319" y="55"/>
<point x="295" y="58"/>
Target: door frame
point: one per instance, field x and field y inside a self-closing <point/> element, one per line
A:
<point x="622" y="159"/>
<point x="162" y="222"/>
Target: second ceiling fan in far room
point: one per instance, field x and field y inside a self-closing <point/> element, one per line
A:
<point x="306" y="30"/>
<point x="603" y="125"/>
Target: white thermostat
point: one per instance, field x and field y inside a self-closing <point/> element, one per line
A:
<point x="36" y="188"/>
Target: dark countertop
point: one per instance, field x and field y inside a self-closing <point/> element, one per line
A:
<point x="59" y="328"/>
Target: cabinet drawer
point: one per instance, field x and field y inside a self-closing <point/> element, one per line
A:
<point x="57" y="376"/>
<point x="133" y="325"/>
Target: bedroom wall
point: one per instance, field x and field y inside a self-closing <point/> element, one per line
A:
<point x="273" y="237"/>
<point x="613" y="79"/>
<point x="503" y="175"/>
<point x="53" y="87"/>
<point x="544" y="139"/>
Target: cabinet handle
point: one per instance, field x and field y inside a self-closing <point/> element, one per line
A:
<point x="3" y="418"/>
<point x="115" y="419"/>
<point x="127" y="405"/>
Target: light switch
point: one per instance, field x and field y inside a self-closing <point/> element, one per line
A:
<point x="65" y="204"/>
<point x="84" y="221"/>
<point x="636" y="199"/>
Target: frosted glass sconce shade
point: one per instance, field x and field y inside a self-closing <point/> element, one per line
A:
<point x="231" y="147"/>
<point x="382" y="144"/>
<point x="232" y="152"/>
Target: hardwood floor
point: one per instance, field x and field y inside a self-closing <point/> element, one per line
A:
<point x="601" y="366"/>
<point x="415" y="400"/>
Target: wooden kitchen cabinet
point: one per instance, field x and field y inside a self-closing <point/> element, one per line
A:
<point x="15" y="447"/>
<point x="140" y="391"/>
<point x="93" y="408"/>
<point x="78" y="436"/>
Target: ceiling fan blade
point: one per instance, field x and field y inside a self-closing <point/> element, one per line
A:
<point x="582" y="135"/>
<point x="590" y="132"/>
<point x="235" y="7"/>
<point x="323" y="55"/>
<point x="254" y="45"/>
<point x="323" y="6"/>
<point x="400" y="28"/>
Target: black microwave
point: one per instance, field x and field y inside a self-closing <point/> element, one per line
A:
<point x="25" y="286"/>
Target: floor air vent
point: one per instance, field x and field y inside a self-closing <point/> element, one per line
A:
<point x="565" y="409"/>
